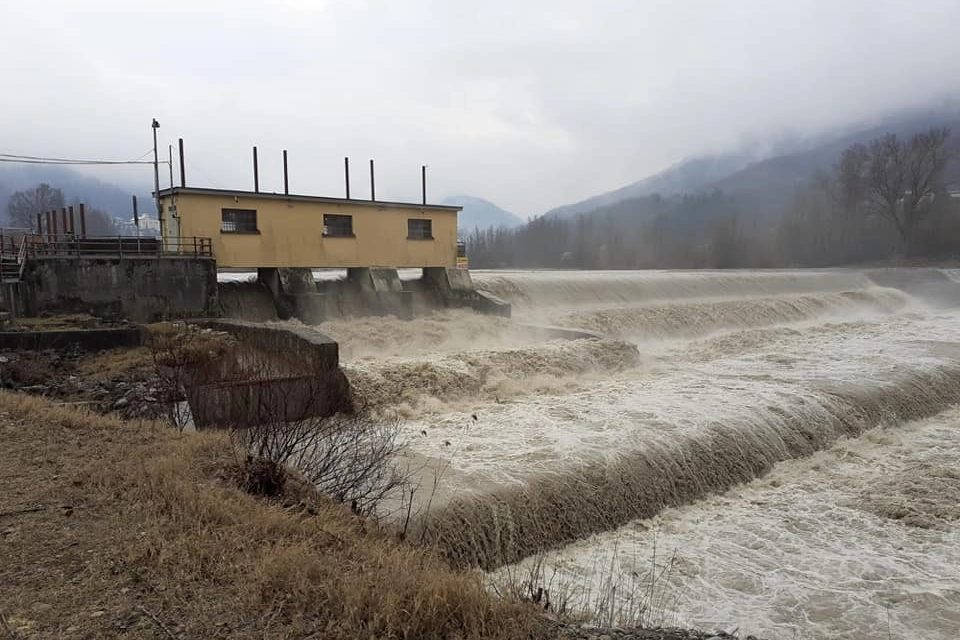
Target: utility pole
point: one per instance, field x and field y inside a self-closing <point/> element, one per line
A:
<point x="156" y="176"/>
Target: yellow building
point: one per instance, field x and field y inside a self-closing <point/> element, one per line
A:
<point x="251" y="229"/>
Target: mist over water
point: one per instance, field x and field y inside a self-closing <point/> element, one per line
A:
<point x="753" y="423"/>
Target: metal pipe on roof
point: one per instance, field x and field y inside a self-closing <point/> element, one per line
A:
<point x="373" y="191"/>
<point x="256" y="173"/>
<point x="183" y="173"/>
<point x="346" y="174"/>
<point x="423" y="182"/>
<point x="286" y="182"/>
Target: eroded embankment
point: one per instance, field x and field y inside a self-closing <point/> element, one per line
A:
<point x="508" y="524"/>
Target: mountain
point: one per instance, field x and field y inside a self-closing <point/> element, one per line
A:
<point x="95" y="193"/>
<point x="684" y="177"/>
<point x="761" y="185"/>
<point x="782" y="173"/>
<point x="482" y="214"/>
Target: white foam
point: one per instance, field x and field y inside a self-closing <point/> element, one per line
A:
<point x="795" y="554"/>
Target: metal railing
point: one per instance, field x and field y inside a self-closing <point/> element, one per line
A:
<point x="120" y="246"/>
<point x="12" y="253"/>
<point x="22" y="257"/>
<point x="196" y="246"/>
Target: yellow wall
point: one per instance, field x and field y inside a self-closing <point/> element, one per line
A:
<point x="291" y="233"/>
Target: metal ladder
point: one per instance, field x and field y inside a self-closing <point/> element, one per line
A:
<point x="12" y="262"/>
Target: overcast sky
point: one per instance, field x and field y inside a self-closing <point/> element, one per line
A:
<point x="531" y="104"/>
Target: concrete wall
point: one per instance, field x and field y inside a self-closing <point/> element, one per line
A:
<point x="245" y="403"/>
<point x="301" y="351"/>
<point x="12" y="299"/>
<point x="290" y="231"/>
<point x="274" y="374"/>
<point x="84" y="339"/>
<point x="140" y="288"/>
<point x="455" y="289"/>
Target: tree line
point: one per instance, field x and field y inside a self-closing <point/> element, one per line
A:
<point x="23" y="206"/>
<point x="885" y="200"/>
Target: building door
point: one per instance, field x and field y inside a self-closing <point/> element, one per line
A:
<point x="172" y="231"/>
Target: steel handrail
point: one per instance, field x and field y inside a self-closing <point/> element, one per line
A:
<point x="120" y="245"/>
<point x="22" y="257"/>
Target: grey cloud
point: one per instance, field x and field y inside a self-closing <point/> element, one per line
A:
<point x="529" y="104"/>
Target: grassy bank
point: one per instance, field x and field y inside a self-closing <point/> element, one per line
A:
<point x="112" y="527"/>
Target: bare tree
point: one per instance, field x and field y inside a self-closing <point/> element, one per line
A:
<point x="726" y="242"/>
<point x="23" y="206"/>
<point x="100" y="223"/>
<point x="899" y="179"/>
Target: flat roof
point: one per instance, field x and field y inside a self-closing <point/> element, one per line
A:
<point x="301" y="198"/>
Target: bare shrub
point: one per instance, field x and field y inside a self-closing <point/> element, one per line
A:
<point x="353" y="459"/>
<point x="263" y="477"/>
<point x="26" y="369"/>
<point x="281" y="411"/>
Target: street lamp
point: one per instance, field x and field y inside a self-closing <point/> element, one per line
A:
<point x="156" y="176"/>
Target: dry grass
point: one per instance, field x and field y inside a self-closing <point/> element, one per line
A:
<point x="114" y="362"/>
<point x="178" y="343"/>
<point x="140" y="531"/>
<point x="59" y="322"/>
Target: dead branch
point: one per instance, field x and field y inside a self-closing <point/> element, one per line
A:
<point x="17" y="512"/>
<point x="7" y="629"/>
<point x="158" y="622"/>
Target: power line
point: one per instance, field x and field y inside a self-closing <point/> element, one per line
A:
<point x="84" y="164"/>
<point x="21" y="159"/>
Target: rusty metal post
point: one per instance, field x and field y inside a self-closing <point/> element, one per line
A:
<point x="83" y="221"/>
<point x="183" y="174"/>
<point x="53" y="217"/>
<point x="136" y="215"/>
<point x="72" y="229"/>
<point x="63" y="216"/>
<point x="256" y="172"/>
<point x="49" y="228"/>
<point x="39" y="223"/>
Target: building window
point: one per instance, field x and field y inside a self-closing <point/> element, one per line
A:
<point x="238" y="221"/>
<point x="337" y="226"/>
<point x="419" y="229"/>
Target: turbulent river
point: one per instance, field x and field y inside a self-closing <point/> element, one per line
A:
<point x="777" y="452"/>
